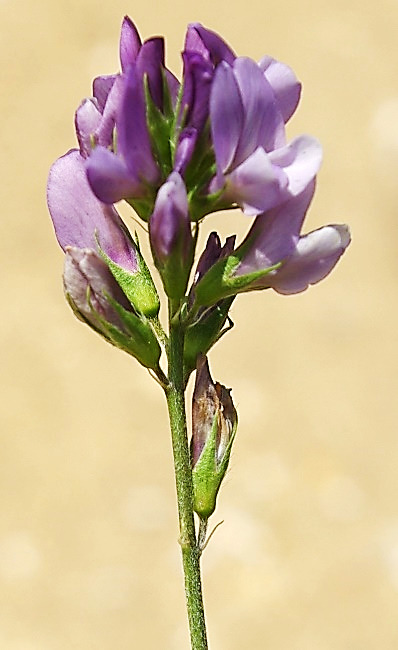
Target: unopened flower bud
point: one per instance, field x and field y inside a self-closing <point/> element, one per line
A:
<point x="171" y="236"/>
<point x="214" y="423"/>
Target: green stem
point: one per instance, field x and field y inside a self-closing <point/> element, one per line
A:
<point x="183" y="473"/>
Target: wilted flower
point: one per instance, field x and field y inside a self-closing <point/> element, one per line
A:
<point x="214" y="423"/>
<point x="97" y="299"/>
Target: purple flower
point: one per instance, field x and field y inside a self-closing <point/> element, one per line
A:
<point x="203" y="51"/>
<point x="131" y="171"/>
<point x="171" y="237"/>
<point x="177" y="153"/>
<point x="284" y="83"/>
<point x="112" y="127"/>
<point x="96" y="117"/>
<point x="209" y="44"/>
<point x="255" y="166"/>
<point x="302" y="260"/>
<point x="197" y="78"/>
<point x="82" y="221"/>
<point x="275" y="255"/>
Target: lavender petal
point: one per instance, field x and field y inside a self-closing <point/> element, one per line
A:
<point x="284" y="83"/>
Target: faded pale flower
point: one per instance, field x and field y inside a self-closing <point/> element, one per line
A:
<point x="97" y="299"/>
<point x="275" y="254"/>
<point x="214" y="423"/>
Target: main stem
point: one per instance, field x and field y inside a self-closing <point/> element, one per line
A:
<point x="175" y="393"/>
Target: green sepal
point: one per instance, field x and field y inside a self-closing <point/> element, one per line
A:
<point x="159" y="127"/>
<point x="138" y="287"/>
<point x="168" y="108"/>
<point x="202" y="204"/>
<point x="139" y="341"/>
<point x="220" y="282"/>
<point x="143" y="207"/>
<point x="204" y="333"/>
<point x="175" y="273"/>
<point x="208" y="474"/>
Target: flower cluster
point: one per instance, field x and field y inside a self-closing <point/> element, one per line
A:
<point x="175" y="152"/>
<point x="178" y="151"/>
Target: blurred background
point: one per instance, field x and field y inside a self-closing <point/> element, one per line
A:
<point x="307" y="556"/>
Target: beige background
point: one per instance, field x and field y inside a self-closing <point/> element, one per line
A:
<point x="307" y="558"/>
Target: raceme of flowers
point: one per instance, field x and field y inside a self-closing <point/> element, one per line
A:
<point x="177" y="151"/>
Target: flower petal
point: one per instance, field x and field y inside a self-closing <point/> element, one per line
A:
<point x="263" y="124"/>
<point x="286" y="87"/>
<point x="212" y="253"/>
<point x="169" y="225"/>
<point x="130" y="43"/>
<point x="207" y="42"/>
<point x="174" y="86"/>
<point x="87" y="120"/>
<point x="79" y="218"/>
<point x="133" y="138"/>
<point x="109" y="177"/>
<point x="171" y="237"/>
<point x="104" y="133"/>
<point x="198" y="74"/>
<point x="274" y="234"/>
<point x="226" y="115"/>
<point x="101" y="89"/>
<point x="256" y="185"/>
<point x="300" y="160"/>
<point x="185" y="148"/>
<point x="150" y="62"/>
<point x="315" y="256"/>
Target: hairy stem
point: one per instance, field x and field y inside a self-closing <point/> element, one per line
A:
<point x="189" y="547"/>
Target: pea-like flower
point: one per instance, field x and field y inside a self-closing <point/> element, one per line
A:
<point x="296" y="261"/>
<point x="222" y="129"/>
<point x="275" y="255"/>
<point x="177" y="152"/>
<point x="82" y="221"/>
<point x="255" y="167"/>
<point x="171" y="237"/>
<point x="127" y="168"/>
